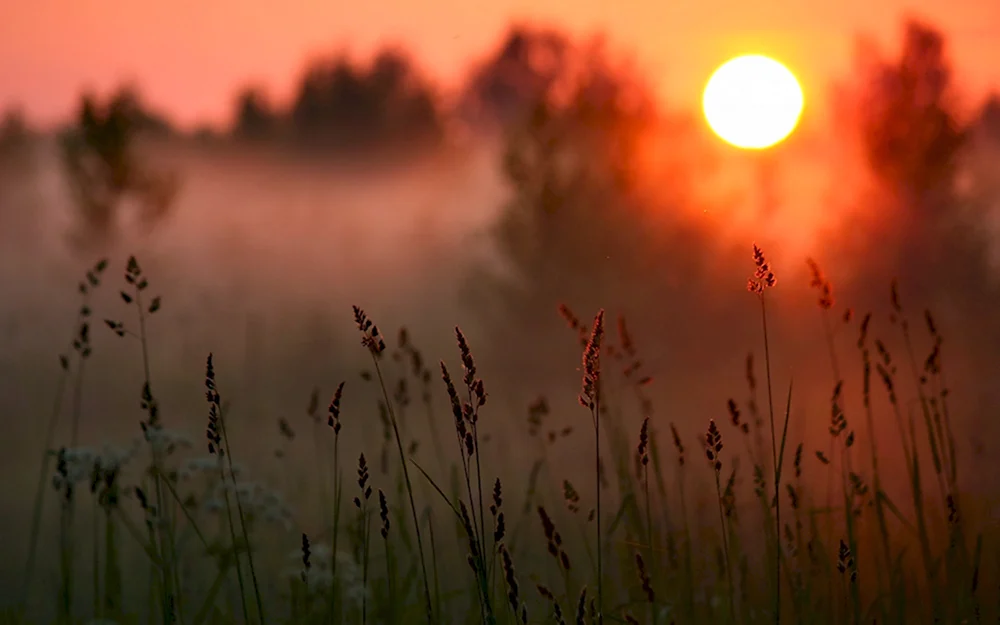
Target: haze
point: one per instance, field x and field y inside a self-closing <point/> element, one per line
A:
<point x="269" y="243"/>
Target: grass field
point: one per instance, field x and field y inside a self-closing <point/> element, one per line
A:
<point x="735" y="523"/>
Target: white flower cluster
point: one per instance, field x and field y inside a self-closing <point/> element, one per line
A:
<point x="319" y="577"/>
<point x="165" y="441"/>
<point x="262" y="504"/>
<point x="210" y="466"/>
<point x="81" y="462"/>
<point x="256" y="500"/>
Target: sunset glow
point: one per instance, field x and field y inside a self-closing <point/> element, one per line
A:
<point x="753" y="102"/>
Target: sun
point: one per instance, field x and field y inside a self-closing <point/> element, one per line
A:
<point x="753" y="102"/>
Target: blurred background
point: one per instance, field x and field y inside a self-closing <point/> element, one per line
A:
<point x="446" y="163"/>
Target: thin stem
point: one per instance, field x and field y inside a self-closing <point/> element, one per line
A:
<point x="437" y="584"/>
<point x="232" y="535"/>
<point x="649" y="537"/>
<point x="66" y="563"/>
<point x="836" y="380"/>
<point x="96" y="561"/>
<point x="688" y="566"/>
<point x="389" y="583"/>
<point x="167" y="581"/>
<point x="409" y="491"/>
<point x="597" y="474"/>
<point x="337" y="483"/>
<point x="479" y="489"/>
<point x="774" y="457"/>
<point x="243" y="524"/>
<point x="43" y="475"/>
<point x="365" y="531"/>
<point x="725" y="545"/>
<point x="77" y="402"/>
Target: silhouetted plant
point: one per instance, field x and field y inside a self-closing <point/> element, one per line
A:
<point x="104" y="170"/>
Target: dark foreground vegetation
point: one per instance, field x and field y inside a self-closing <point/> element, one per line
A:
<point x="667" y="526"/>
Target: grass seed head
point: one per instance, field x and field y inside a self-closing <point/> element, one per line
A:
<point x="798" y="461"/>
<point x="713" y="445"/>
<point x="793" y="496"/>
<point x="763" y="277"/>
<point x="581" y="607"/>
<point x="383" y="512"/>
<point x="333" y="412"/>
<point x="571" y="497"/>
<point x="370" y="336"/>
<point x="678" y="444"/>
<point x="820" y="282"/>
<point x="366" y="490"/>
<point x="306" y="552"/>
<point x="845" y="562"/>
<point x="468" y="363"/>
<point x="592" y="363"/>
<point x="513" y="592"/>
<point x="647" y="587"/>
<point x="643" y="447"/>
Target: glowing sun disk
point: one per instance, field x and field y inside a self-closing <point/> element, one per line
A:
<point x="752" y="102"/>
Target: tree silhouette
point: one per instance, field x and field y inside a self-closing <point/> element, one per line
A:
<point x="903" y="112"/>
<point x="911" y="135"/>
<point x="255" y="119"/>
<point x="925" y="226"/>
<point x="103" y="169"/>
<point x="17" y="163"/>
<point x="504" y="88"/>
<point x="342" y="106"/>
<point x="577" y="229"/>
<point x="989" y="118"/>
<point x="14" y="132"/>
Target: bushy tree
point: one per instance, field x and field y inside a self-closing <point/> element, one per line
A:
<point x="342" y="106"/>
<point x="911" y="133"/>
<point x="503" y="89"/>
<point x="104" y="171"/>
<point x="903" y="110"/>
<point x="578" y="228"/>
<point x="925" y="227"/>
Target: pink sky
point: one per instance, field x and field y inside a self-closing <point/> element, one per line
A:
<point x="189" y="57"/>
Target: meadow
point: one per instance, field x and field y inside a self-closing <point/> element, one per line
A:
<point x="737" y="521"/>
<point x="559" y="368"/>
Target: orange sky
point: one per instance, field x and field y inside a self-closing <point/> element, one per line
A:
<point x="189" y="56"/>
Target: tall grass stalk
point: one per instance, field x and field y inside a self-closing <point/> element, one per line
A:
<point x="938" y="448"/>
<point x="713" y="446"/>
<point x="376" y="345"/>
<point x="364" y="525"/>
<point x="590" y="397"/>
<point x="152" y="429"/>
<point x="81" y="346"/>
<point x="217" y="446"/>
<point x="763" y="279"/>
<point x="826" y="302"/>
<point x="880" y="516"/>
<point x="333" y="421"/>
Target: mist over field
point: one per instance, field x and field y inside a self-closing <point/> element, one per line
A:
<point x="265" y="249"/>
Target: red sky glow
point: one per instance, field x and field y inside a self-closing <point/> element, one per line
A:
<point x="188" y="58"/>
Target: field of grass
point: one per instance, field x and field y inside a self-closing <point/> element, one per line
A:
<point x="739" y="525"/>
